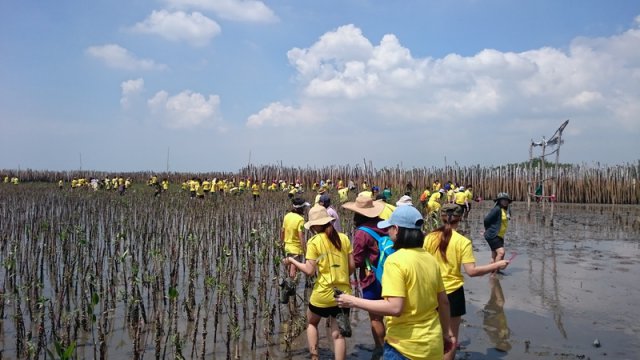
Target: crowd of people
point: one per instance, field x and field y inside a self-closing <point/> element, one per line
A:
<point x="409" y="282"/>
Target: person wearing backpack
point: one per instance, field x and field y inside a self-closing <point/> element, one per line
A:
<point x="366" y="256"/>
<point x="414" y="299"/>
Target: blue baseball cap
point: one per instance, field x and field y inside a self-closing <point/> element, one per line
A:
<point x="403" y="216"/>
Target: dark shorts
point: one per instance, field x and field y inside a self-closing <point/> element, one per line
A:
<point x="373" y="291"/>
<point x="456" y="303"/>
<point x="328" y="312"/>
<point x="496" y="243"/>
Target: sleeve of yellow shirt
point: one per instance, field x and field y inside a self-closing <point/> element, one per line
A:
<point x="467" y="253"/>
<point x="393" y="284"/>
<point x="312" y="250"/>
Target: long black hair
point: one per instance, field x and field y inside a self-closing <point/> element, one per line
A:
<point x="408" y="238"/>
<point x="331" y="233"/>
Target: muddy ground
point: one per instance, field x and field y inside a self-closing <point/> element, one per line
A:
<point x="568" y="285"/>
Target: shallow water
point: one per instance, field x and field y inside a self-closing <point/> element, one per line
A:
<point x="568" y="285"/>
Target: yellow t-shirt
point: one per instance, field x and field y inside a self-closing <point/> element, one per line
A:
<point x="503" y="224"/>
<point x="469" y="195"/>
<point x="292" y="225"/>
<point x="460" y="197"/>
<point x="414" y="275"/>
<point x="255" y="189"/>
<point x="343" y="194"/>
<point x="435" y="197"/>
<point x="386" y="212"/>
<point x="436" y="187"/>
<point x="333" y="268"/>
<point x="450" y="195"/>
<point x="206" y="185"/>
<point x="459" y="251"/>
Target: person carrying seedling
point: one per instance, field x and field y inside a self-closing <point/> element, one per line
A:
<point x="453" y="251"/>
<point x="292" y="237"/>
<point x="329" y="254"/>
<point x="413" y="295"/>
<point x="367" y="240"/>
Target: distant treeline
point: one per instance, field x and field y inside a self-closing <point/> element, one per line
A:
<point x="596" y="184"/>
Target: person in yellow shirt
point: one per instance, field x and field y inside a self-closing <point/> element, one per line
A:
<point x="206" y="186"/>
<point x="192" y="188"/>
<point x="424" y="199"/>
<point x="74" y="183"/>
<point x="127" y="183"/>
<point x="264" y="185"/>
<point x="495" y="226"/>
<point x="460" y="199"/>
<point x="292" y="237"/>
<point x="469" y="193"/>
<point x="388" y="208"/>
<point x="60" y="184"/>
<point x="434" y="202"/>
<point x="453" y="251"/>
<point x="165" y="185"/>
<point x="199" y="189"/>
<point x="343" y="194"/>
<point x="436" y="186"/>
<point x="106" y="183"/>
<point x="6" y="179"/>
<point x="414" y="300"/>
<point x="255" y="191"/>
<point x="365" y="185"/>
<point x="340" y="184"/>
<point x="15" y="180"/>
<point x="329" y="253"/>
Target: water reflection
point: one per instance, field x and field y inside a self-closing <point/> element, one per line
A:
<point x="495" y="321"/>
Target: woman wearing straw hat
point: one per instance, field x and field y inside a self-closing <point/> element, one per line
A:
<point x="495" y="226"/>
<point x="366" y="214"/>
<point x="452" y="251"/>
<point x="414" y="299"/>
<point x="328" y="253"/>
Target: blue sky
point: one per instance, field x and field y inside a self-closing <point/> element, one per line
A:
<point x="314" y="82"/>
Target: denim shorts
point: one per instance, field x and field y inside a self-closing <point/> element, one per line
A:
<point x="390" y="353"/>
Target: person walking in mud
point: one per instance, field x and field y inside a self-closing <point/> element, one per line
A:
<point x="453" y="251"/>
<point x="329" y="254"/>
<point x="366" y="253"/>
<point x="292" y="237"/>
<point x="414" y="300"/>
<point x="495" y="226"/>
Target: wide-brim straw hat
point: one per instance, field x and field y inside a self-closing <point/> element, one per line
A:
<point x="318" y="215"/>
<point x="365" y="205"/>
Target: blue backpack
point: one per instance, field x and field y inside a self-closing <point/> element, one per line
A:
<point x="385" y="247"/>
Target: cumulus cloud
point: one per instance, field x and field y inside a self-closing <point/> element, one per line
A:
<point x="117" y="57"/>
<point x="186" y="109"/>
<point x="278" y="114"/>
<point x="594" y="78"/>
<point x="193" y="28"/>
<point x="130" y="90"/>
<point x="237" y="10"/>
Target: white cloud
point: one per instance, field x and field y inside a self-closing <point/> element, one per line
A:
<point x="277" y="114"/>
<point x="117" y="57"/>
<point x="237" y="10"/>
<point x="347" y="78"/>
<point x="186" y="109"/>
<point x="193" y="28"/>
<point x="130" y="90"/>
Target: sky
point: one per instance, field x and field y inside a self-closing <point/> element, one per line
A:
<point x="212" y="85"/>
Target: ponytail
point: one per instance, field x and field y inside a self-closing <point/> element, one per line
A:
<point x="333" y="236"/>
<point x="445" y="231"/>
